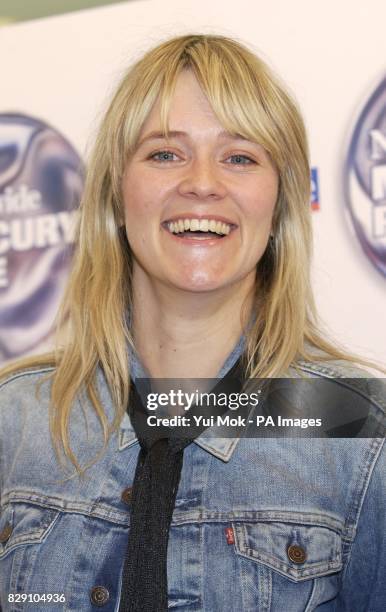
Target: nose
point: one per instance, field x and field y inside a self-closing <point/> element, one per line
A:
<point x="202" y="180"/>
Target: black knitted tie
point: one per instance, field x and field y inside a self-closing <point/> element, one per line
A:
<point x="157" y="476"/>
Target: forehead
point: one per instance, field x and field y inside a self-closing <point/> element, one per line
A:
<point x="188" y="106"/>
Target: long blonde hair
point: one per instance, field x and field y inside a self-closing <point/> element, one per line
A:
<point x="93" y="329"/>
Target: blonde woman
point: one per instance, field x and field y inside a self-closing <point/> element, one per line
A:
<point x="192" y="261"/>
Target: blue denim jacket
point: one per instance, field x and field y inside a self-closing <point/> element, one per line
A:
<point x="241" y="505"/>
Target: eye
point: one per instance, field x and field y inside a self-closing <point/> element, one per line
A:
<point x="163" y="156"/>
<point x="240" y="160"/>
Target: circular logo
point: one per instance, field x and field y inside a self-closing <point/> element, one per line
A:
<point x="365" y="178"/>
<point x="40" y="187"/>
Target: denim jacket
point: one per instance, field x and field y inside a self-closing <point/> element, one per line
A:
<point x="259" y="524"/>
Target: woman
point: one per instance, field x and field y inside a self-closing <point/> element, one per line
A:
<point x="192" y="261"/>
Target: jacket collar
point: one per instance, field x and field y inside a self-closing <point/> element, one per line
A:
<point x="221" y="448"/>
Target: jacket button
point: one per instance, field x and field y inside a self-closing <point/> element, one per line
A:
<point x="296" y="554"/>
<point x="5" y="533"/>
<point x="99" y="596"/>
<point x="127" y="495"/>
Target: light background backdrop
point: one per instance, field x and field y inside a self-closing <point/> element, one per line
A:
<point x="331" y="55"/>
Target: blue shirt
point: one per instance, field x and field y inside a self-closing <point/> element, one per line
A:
<point x="259" y="524"/>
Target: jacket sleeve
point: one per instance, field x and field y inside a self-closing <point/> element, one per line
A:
<point x="364" y="578"/>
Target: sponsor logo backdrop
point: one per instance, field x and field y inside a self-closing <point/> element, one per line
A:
<point x="40" y="187"/>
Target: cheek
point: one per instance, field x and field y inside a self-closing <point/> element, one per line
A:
<point x="143" y="197"/>
<point x="135" y="203"/>
<point x="266" y="202"/>
<point x="137" y="207"/>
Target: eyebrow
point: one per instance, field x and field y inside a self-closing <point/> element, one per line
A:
<point x="158" y="135"/>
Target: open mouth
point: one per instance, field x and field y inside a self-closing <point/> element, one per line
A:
<point x="205" y="229"/>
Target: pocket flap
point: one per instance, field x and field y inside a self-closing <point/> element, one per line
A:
<point x="297" y="551"/>
<point x="23" y="524"/>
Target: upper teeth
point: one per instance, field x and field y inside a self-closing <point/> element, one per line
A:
<point x="203" y="225"/>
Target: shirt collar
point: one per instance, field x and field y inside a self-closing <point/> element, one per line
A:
<point x="222" y="448"/>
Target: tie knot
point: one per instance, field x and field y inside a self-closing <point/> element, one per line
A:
<point x="163" y="445"/>
<point x="150" y="442"/>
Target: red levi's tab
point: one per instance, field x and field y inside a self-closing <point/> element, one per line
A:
<point x="230" y="536"/>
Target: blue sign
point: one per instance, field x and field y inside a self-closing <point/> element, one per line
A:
<point x="365" y="178"/>
<point x="315" y="201"/>
<point x="40" y="186"/>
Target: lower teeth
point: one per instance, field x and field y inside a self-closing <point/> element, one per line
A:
<point x="199" y="235"/>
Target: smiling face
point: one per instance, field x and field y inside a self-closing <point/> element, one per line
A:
<point x="198" y="205"/>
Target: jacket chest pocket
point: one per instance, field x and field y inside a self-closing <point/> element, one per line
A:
<point x="295" y="566"/>
<point x="23" y="527"/>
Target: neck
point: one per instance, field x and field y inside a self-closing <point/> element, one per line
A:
<point x="184" y="334"/>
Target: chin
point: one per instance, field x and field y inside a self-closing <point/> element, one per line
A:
<point x="198" y="282"/>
